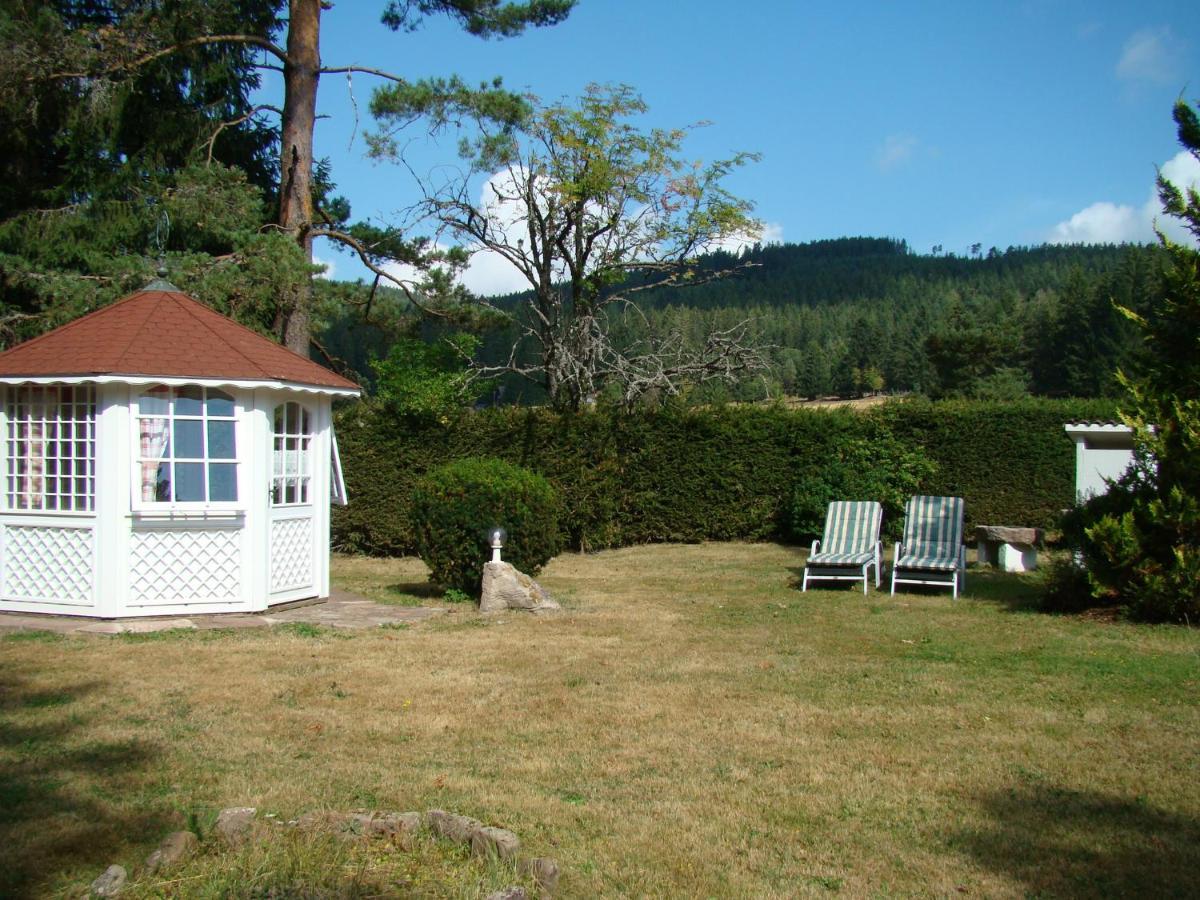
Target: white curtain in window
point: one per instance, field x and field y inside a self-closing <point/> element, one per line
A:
<point x="154" y="447"/>
<point x="35" y="466"/>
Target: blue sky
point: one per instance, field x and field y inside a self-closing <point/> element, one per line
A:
<point x="939" y="123"/>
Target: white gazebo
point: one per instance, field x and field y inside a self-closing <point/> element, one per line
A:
<point x="162" y="459"/>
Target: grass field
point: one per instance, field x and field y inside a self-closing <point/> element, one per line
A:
<point x="690" y="726"/>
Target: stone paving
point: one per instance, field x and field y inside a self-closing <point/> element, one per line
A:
<point x="341" y="610"/>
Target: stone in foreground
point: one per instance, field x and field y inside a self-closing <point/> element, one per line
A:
<point x="452" y="827"/>
<point x="234" y="824"/>
<point x="544" y="871"/>
<point x="174" y="849"/>
<point x="504" y="588"/>
<point x="510" y="893"/>
<point x="110" y="883"/>
<point x="488" y="841"/>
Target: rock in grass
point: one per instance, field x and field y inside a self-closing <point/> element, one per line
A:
<point x="234" y="824"/>
<point x="488" y="841"/>
<point x="174" y="849"/>
<point x="110" y="883"/>
<point x="398" y="827"/>
<point x="509" y="893"/>
<point x="452" y="827"/>
<point x="544" y="872"/>
<point x="505" y="587"/>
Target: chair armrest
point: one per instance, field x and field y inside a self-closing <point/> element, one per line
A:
<point x="896" y="552"/>
<point x="816" y="545"/>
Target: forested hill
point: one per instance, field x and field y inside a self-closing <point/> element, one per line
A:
<point x="851" y="269"/>
<point x="858" y="315"/>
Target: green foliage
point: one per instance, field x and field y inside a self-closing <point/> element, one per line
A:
<point x="484" y="18"/>
<point x="1147" y="554"/>
<point x="875" y="466"/>
<point x="55" y="266"/>
<point x="1065" y="586"/>
<point x="677" y="474"/>
<point x="430" y="381"/>
<point x="454" y="506"/>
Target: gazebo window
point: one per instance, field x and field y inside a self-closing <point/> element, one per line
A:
<point x="292" y="468"/>
<point x="51" y="448"/>
<point x="187" y="445"/>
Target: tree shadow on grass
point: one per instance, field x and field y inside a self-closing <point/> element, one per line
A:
<point x="420" y="590"/>
<point x="63" y="795"/>
<point x="1016" y="593"/>
<point x="1066" y="843"/>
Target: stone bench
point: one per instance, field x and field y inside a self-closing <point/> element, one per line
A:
<point x="1007" y="547"/>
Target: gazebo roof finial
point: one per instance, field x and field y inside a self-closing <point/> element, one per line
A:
<point x="160" y="283"/>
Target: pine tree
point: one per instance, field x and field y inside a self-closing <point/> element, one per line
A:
<point x="1149" y="554"/>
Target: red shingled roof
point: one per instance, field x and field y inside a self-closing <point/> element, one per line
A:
<point x="162" y="333"/>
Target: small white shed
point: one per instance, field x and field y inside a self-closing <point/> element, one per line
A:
<point x="162" y="459"/>
<point x="1103" y="450"/>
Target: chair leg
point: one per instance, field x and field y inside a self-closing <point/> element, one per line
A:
<point x="804" y="583"/>
<point x="864" y="574"/>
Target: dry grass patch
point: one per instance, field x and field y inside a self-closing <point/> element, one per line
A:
<point x="690" y="725"/>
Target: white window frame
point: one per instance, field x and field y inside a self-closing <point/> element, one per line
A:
<point x="139" y="503"/>
<point x="50" y="430"/>
<point x="303" y="471"/>
<point x="337" y="481"/>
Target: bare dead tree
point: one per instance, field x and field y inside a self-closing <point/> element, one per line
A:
<point x="592" y="211"/>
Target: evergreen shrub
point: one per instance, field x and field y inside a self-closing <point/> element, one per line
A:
<point x="873" y="467"/>
<point x="454" y="505"/>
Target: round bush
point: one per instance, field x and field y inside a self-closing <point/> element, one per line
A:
<point x="455" y="505"/>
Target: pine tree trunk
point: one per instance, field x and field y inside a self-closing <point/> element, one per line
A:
<point x="301" y="74"/>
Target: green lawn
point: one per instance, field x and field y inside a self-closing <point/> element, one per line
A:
<point x="690" y="725"/>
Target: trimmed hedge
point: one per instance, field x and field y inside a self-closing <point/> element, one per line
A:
<point x="716" y="474"/>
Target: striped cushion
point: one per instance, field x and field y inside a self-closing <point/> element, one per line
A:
<point x="935" y="563"/>
<point x="851" y="529"/>
<point x="933" y="533"/>
<point x="841" y="559"/>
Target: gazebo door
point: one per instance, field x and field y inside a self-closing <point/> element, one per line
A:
<point x="292" y="520"/>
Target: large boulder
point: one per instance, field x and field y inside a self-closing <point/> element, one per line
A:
<point x="505" y="587"/>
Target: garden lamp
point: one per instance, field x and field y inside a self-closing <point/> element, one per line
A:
<point x="496" y="537"/>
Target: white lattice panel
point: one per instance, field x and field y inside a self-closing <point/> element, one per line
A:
<point x="44" y="564"/>
<point x="291" y="554"/>
<point x="185" y="566"/>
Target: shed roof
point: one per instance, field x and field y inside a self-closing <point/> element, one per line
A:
<point x="161" y="332"/>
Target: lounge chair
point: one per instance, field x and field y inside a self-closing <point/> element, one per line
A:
<point x="932" y="551"/>
<point x="851" y="544"/>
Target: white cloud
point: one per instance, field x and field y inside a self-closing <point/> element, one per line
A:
<point x="1100" y="223"/>
<point x="330" y="267"/>
<point x="897" y="149"/>
<point x="772" y="233"/>
<point x="1150" y="55"/>
<point x="1105" y="222"/>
